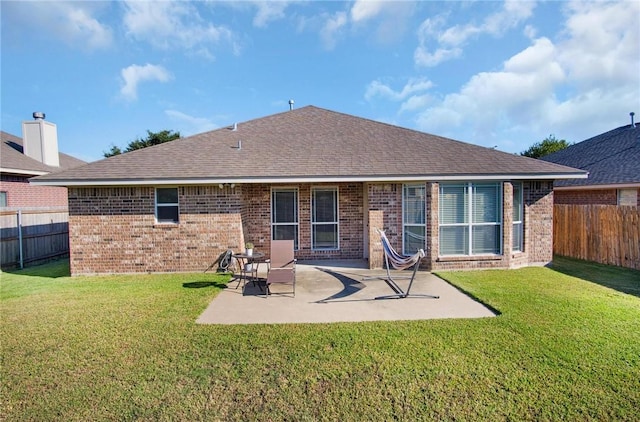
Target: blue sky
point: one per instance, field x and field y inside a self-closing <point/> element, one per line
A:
<point x="497" y="74"/>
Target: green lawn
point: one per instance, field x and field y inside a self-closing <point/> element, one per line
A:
<point x="127" y="348"/>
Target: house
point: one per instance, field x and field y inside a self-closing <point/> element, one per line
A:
<point x="35" y="154"/>
<point x="613" y="162"/>
<point x="325" y="179"/>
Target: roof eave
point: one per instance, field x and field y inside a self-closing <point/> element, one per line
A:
<point x="308" y="179"/>
<point x="23" y="172"/>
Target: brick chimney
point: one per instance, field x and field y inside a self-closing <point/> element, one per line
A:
<point x="40" y="140"/>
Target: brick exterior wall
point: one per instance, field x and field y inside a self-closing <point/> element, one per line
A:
<point x="113" y="229"/>
<point x="589" y="197"/>
<point x="586" y="197"/>
<point x="21" y="194"/>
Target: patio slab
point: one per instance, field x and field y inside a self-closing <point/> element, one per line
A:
<point x="336" y="292"/>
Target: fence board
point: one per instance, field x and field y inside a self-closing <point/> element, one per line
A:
<point x="45" y="235"/>
<point x="607" y="234"/>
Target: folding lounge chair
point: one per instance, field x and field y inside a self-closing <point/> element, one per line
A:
<point x="282" y="265"/>
<point x="400" y="262"/>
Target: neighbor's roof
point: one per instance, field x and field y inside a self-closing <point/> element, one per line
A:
<point x="611" y="158"/>
<point x="308" y="144"/>
<point x="13" y="160"/>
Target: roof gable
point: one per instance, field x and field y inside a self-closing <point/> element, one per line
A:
<point x="305" y="144"/>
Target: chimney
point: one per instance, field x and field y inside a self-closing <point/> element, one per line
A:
<point x="40" y="140"/>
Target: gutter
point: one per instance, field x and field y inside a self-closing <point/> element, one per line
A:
<point x="306" y="179"/>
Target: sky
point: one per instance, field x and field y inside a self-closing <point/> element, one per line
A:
<point x="499" y="74"/>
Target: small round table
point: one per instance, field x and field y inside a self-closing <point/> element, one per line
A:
<point x="248" y="267"/>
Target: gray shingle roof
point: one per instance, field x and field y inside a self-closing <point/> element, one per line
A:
<point x="306" y="144"/>
<point x="611" y="158"/>
<point x="12" y="157"/>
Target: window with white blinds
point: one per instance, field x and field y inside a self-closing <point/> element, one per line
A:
<point x="470" y="218"/>
<point x="413" y="218"/>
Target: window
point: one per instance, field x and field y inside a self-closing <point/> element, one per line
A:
<point x="167" y="209"/>
<point x="470" y="218"/>
<point x="324" y="218"/>
<point x="628" y="197"/>
<point x="3" y="199"/>
<point x="518" y="212"/>
<point x="284" y="215"/>
<point x="413" y="218"/>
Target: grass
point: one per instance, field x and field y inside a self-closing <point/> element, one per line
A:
<point x="127" y="348"/>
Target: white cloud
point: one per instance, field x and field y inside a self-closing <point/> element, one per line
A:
<point x="379" y="89"/>
<point x="134" y="74"/>
<point x="173" y="25"/>
<point x="192" y="124"/>
<point x="269" y="11"/>
<point x="583" y="84"/>
<point x="332" y="28"/>
<point x="73" y="22"/>
<point x="437" y="44"/>
<point x="364" y="9"/>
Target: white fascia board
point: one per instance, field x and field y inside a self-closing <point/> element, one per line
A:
<point x="310" y="179"/>
<point x="599" y="187"/>
<point x="23" y="172"/>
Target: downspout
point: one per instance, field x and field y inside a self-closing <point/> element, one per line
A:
<point x="21" y="254"/>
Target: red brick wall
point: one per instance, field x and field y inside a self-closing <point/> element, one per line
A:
<point x="22" y="194"/>
<point x="587" y="197"/>
<point x="113" y="230"/>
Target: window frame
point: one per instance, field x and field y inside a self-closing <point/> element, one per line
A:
<point x="517" y="224"/>
<point x="296" y="211"/>
<point x="159" y="205"/>
<point x="469" y="217"/>
<point x="4" y="198"/>
<point x="335" y="222"/>
<point x="405" y="209"/>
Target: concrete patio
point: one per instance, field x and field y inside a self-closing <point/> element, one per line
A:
<point x="330" y="291"/>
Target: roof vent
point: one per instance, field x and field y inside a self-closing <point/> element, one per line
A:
<point x="38" y="115"/>
<point x="632" y="122"/>
<point x="291" y="102"/>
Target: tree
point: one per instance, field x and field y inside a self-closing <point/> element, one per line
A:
<point x="153" y="138"/>
<point x="549" y="145"/>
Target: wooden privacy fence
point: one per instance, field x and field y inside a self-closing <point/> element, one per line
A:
<point x="32" y="236"/>
<point x="607" y="234"/>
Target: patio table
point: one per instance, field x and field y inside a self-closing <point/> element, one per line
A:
<point x="249" y="273"/>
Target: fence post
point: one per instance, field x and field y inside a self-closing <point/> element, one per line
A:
<point x="21" y="254"/>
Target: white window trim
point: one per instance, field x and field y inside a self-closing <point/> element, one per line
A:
<point x="520" y="222"/>
<point x="404" y="224"/>
<point x="468" y="189"/>
<point x="336" y="222"/>
<point x="297" y="222"/>
<point x="167" y="204"/>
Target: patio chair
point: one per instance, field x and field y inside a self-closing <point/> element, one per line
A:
<point x="281" y="265"/>
<point x="399" y="262"/>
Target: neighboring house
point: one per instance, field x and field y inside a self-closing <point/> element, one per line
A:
<point x="35" y="155"/>
<point x="613" y="162"/>
<point x="326" y="180"/>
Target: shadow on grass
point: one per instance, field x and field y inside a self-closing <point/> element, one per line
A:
<point x="624" y="280"/>
<point x="53" y="269"/>
<point x="204" y="284"/>
<point x="473" y="297"/>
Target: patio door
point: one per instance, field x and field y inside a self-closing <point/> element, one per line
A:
<point x="284" y="215"/>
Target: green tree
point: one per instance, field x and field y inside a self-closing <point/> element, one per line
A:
<point x="549" y="145"/>
<point x="153" y="138"/>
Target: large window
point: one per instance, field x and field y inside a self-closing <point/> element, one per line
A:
<point x="470" y="218"/>
<point x="324" y="218"/>
<point x="284" y="215"/>
<point x="413" y="218"/>
<point x="167" y="208"/>
<point x="518" y="211"/>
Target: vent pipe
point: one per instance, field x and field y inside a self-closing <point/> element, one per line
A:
<point x="291" y="102"/>
<point x="632" y="122"/>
